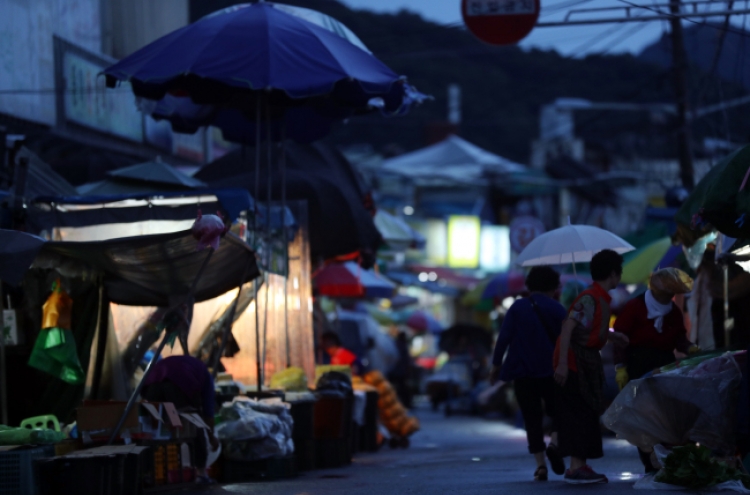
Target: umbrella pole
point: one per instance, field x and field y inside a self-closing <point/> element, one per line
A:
<point x="575" y="274"/>
<point x="258" y="366"/>
<point x="286" y="245"/>
<point x="269" y="237"/>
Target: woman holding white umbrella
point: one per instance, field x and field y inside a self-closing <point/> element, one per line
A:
<point x="579" y="371"/>
<point x="577" y="361"/>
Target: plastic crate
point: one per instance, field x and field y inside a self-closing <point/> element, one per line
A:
<point x="17" y="469"/>
<point x="164" y="463"/>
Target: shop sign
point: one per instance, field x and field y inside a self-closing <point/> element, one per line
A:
<point x="494" y="249"/>
<point x="463" y="241"/>
<point x="88" y="102"/>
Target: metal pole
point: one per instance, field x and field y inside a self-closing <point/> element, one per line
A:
<point x="258" y="370"/>
<point x="286" y="245"/>
<point x="137" y="391"/>
<point x="269" y="239"/>
<point x="727" y="327"/>
<point x="3" y="392"/>
<point x="680" y="67"/>
<point x="101" y="341"/>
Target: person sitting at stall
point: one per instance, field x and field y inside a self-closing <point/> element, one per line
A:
<point x="185" y="382"/>
<point x="655" y="326"/>
<point x="338" y="354"/>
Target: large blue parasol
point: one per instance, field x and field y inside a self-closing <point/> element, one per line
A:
<point x="261" y="72"/>
<point x="309" y="74"/>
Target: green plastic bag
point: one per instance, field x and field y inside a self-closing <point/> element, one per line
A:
<point x="26" y="436"/>
<point x="292" y="379"/>
<point x="55" y="353"/>
<point x="46" y="437"/>
<point x="16" y="436"/>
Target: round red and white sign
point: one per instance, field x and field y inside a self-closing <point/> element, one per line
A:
<point x="500" y="22"/>
<point x="523" y="230"/>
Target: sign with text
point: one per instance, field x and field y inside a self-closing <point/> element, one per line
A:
<point x="498" y="7"/>
<point x="500" y="22"/>
<point x="87" y="101"/>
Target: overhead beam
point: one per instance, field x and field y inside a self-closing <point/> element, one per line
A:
<point x="660" y="16"/>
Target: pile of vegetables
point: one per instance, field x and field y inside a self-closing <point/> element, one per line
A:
<point x="694" y="467"/>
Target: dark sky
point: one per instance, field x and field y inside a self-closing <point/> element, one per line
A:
<point x="574" y="40"/>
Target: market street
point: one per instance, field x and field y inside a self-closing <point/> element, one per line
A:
<point x="460" y="454"/>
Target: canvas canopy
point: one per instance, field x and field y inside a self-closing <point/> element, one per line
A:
<point x="453" y="159"/>
<point x="140" y="271"/>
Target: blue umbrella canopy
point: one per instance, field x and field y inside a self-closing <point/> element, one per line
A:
<point x="310" y="69"/>
<point x="224" y="57"/>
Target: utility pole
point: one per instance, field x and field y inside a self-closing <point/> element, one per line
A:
<point x="660" y="11"/>
<point x="679" y="68"/>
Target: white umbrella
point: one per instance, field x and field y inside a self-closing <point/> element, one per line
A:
<point x="570" y="244"/>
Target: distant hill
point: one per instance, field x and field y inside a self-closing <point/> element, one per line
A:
<point x="503" y="88"/>
<point x="701" y="42"/>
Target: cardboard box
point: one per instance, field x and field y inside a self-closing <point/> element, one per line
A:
<point x="156" y="420"/>
<point x="100" y="415"/>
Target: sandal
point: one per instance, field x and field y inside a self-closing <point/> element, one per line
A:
<point x="555" y="459"/>
<point x="541" y="473"/>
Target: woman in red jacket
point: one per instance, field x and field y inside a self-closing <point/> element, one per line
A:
<point x="655" y="326"/>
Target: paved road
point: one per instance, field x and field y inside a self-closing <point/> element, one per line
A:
<point x="465" y="455"/>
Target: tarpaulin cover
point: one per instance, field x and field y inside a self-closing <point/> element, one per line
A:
<point x="320" y="175"/>
<point x="688" y="404"/>
<point x="138" y="271"/>
<point x="721" y="200"/>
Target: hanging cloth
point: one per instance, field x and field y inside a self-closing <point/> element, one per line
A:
<point x="55" y="348"/>
<point x="656" y="310"/>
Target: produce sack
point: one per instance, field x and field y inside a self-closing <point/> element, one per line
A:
<point x="687" y="404"/>
<point x="292" y="379"/>
<point x="252" y="430"/>
<point x="55" y="350"/>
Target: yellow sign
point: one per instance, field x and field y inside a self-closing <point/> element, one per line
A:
<point x="463" y="241"/>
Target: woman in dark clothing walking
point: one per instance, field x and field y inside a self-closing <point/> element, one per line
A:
<point x="529" y="332"/>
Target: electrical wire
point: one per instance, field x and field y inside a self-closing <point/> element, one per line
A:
<point x="556" y="8"/>
<point x="631" y="32"/>
<point x="686" y="19"/>
<point x="588" y="45"/>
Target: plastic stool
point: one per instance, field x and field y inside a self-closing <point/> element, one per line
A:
<point x="41" y="423"/>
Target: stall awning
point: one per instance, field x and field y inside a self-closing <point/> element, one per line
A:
<point x="81" y="211"/>
<point x="138" y="271"/>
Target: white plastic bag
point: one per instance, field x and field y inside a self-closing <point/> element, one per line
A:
<point x="255" y="430"/>
<point x="649" y="482"/>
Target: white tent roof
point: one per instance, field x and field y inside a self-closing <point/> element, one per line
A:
<point x="454" y="159"/>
